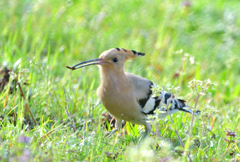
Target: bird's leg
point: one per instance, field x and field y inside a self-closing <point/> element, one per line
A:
<point x="118" y="126"/>
<point x="148" y="128"/>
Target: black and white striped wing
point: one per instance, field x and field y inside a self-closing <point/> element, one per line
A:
<point x="150" y="104"/>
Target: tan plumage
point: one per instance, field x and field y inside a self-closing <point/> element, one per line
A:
<point x="127" y="96"/>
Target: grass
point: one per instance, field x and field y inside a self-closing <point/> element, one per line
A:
<point x="39" y="38"/>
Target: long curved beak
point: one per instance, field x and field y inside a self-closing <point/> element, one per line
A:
<point x="97" y="61"/>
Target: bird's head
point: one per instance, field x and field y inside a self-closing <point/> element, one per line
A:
<point x="114" y="58"/>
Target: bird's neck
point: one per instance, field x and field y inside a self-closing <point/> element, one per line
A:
<point x="113" y="79"/>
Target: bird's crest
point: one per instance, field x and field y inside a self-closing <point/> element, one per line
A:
<point x="130" y="53"/>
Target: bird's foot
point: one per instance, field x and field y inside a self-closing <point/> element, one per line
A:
<point x="148" y="128"/>
<point x="145" y="134"/>
<point x="111" y="132"/>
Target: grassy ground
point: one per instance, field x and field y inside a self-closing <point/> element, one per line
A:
<point x="182" y="41"/>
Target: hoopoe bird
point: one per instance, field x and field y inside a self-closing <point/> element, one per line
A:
<point x="127" y="96"/>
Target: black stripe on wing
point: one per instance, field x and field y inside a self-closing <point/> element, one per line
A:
<point x="143" y="101"/>
<point x="149" y="104"/>
<point x="156" y="104"/>
<point x="175" y="103"/>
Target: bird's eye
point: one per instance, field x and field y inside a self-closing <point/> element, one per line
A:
<point x="115" y="60"/>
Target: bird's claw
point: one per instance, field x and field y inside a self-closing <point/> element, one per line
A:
<point x="109" y="134"/>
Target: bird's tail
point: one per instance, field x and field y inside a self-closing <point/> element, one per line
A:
<point x="189" y="110"/>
